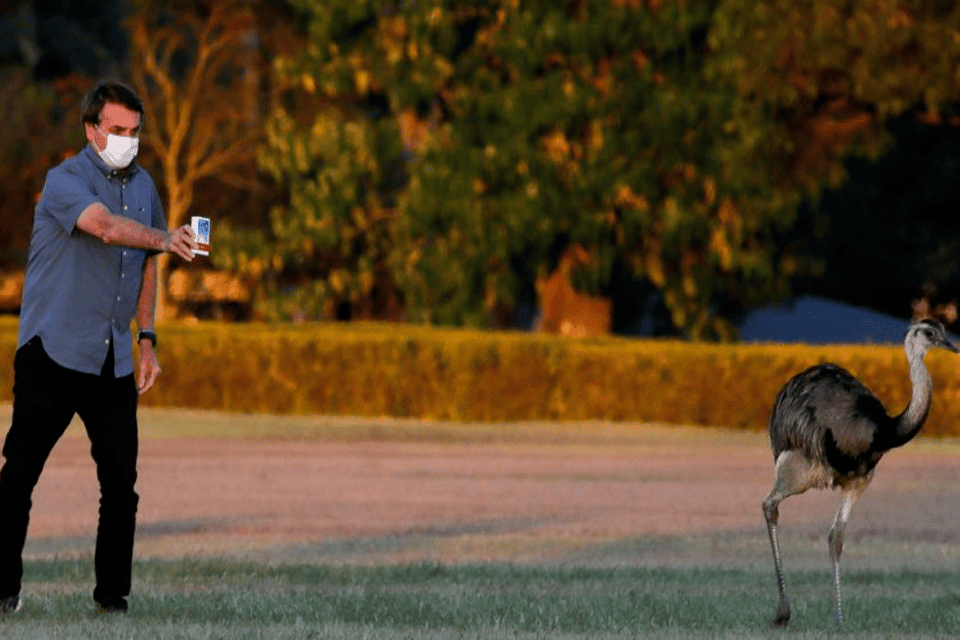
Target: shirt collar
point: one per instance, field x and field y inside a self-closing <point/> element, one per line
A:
<point x="119" y="174"/>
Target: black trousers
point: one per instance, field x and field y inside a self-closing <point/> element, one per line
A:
<point x="45" y="398"/>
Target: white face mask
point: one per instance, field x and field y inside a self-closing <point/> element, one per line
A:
<point x="120" y="150"/>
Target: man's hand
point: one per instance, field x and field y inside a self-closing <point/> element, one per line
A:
<point x="181" y="242"/>
<point x="149" y="367"/>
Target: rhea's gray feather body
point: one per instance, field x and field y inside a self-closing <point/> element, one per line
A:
<point x="828" y="430"/>
<point x="833" y="419"/>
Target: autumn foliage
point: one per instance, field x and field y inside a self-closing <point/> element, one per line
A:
<point x="463" y="147"/>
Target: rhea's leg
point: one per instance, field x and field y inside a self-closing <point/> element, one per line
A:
<point x="771" y="513"/>
<point x="851" y="494"/>
<point x="793" y="473"/>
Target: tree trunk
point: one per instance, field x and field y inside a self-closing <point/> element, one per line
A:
<point x="163" y="298"/>
<point x="176" y="206"/>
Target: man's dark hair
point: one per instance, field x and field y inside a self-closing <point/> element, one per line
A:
<point x="112" y="91"/>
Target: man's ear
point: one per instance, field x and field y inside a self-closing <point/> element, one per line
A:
<point x="91" y="131"/>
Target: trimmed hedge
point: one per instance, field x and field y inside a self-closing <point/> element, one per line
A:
<point x="445" y="374"/>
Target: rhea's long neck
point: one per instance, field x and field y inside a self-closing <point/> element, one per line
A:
<point x="908" y="423"/>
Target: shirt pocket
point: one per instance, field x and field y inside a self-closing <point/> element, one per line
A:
<point x="136" y="204"/>
<point x="140" y="213"/>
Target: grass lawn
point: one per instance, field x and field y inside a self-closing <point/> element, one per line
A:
<point x="221" y="598"/>
<point x="217" y="599"/>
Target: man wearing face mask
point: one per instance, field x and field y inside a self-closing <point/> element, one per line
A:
<point x="91" y="267"/>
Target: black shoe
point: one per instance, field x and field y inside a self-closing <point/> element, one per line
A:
<point x="10" y="605"/>
<point x="112" y="605"/>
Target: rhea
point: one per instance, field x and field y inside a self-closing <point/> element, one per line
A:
<point x="827" y="430"/>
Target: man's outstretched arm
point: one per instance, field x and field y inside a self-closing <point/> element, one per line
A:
<point x="97" y="220"/>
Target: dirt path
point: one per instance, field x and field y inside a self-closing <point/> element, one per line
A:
<point x="684" y="499"/>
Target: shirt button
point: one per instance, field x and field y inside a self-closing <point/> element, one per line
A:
<point x="125" y="207"/>
<point x="118" y="298"/>
<point x="107" y="341"/>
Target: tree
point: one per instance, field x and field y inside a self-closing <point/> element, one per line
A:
<point x="548" y="124"/>
<point x="670" y="143"/>
<point x="43" y="120"/>
<point x="325" y="253"/>
<point x="834" y="73"/>
<point x="198" y="74"/>
<point x="868" y="89"/>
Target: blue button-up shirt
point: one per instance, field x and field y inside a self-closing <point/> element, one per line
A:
<point x="79" y="293"/>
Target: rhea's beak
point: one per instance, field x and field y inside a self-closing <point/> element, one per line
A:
<point x="946" y="344"/>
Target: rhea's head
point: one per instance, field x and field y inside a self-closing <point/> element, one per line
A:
<point x="925" y="334"/>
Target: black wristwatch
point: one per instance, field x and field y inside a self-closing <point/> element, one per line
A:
<point x="148" y="335"/>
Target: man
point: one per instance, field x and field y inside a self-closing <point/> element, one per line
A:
<point x="91" y="266"/>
